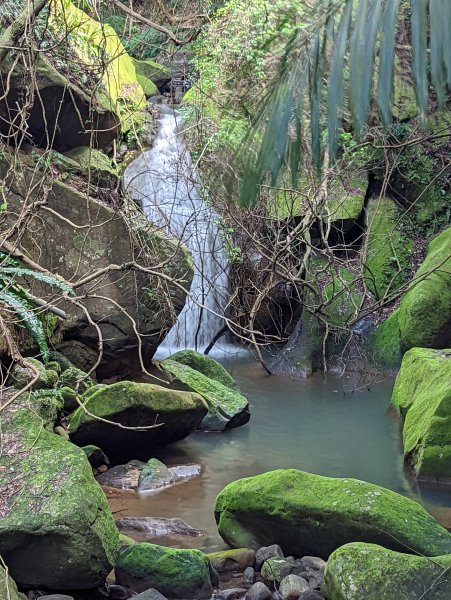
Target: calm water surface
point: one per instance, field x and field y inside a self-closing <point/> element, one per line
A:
<point x="324" y="425"/>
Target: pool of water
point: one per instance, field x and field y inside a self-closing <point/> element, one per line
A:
<point x="334" y="426"/>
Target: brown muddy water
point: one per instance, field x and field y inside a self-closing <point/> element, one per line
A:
<point x="331" y="426"/>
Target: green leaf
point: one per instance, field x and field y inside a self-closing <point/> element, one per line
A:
<point x="440" y="22"/>
<point x="419" y="55"/>
<point x="387" y="55"/>
<point x="28" y="319"/>
<point x="21" y="272"/>
<point x="335" y="95"/>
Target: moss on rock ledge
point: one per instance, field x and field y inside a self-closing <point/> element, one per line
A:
<point x="308" y="514"/>
<point x="422" y="394"/>
<point x="357" y="571"/>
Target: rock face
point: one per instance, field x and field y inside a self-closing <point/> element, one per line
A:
<point x="422" y="395"/>
<point x="56" y="530"/>
<point x="135" y="405"/>
<point x="312" y="515"/>
<point x="358" y="570"/>
<point x="423" y="317"/>
<point x="227" y="408"/>
<point x="99" y="237"/>
<point x="184" y="574"/>
<point x="387" y="249"/>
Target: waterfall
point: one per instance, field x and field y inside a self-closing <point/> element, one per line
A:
<point x="164" y="181"/>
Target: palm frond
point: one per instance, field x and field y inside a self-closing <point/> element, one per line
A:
<point x="49" y="280"/>
<point x="386" y="58"/>
<point x="419" y="55"/>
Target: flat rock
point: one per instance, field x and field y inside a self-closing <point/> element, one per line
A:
<point x="158" y="526"/>
<point x="123" y="477"/>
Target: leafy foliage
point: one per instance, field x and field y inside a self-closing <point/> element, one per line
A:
<point x="18" y="300"/>
<point x="346" y="47"/>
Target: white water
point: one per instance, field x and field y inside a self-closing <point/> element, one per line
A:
<point x="164" y="181"/>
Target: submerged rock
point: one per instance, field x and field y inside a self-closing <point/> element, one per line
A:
<point x="56" y="529"/>
<point x="422" y="394"/>
<point x="227" y="408"/>
<point x="359" y="570"/>
<point x="158" y="526"/>
<point x="184" y="574"/>
<point x="309" y="514"/>
<point x="135" y="405"/>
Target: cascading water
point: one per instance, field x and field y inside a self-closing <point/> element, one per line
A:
<point x="164" y="181"/>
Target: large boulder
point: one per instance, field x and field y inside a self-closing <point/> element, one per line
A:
<point x="358" y="570"/>
<point x="56" y="529"/>
<point x="207" y="366"/>
<point x="422" y="394"/>
<point x="185" y="574"/>
<point x="423" y="318"/>
<point x="308" y="514"/>
<point x="151" y="71"/>
<point x="174" y="414"/>
<point x="74" y="235"/>
<point x="227" y="408"/>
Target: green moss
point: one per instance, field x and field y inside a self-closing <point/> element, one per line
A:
<point x="94" y="164"/>
<point x="386" y="343"/>
<point x="58" y="532"/>
<point x="357" y="571"/>
<point x="175" y="573"/>
<point x="226" y="407"/>
<point x="75" y="379"/>
<point x="308" y="514"/>
<point x="21" y="376"/>
<point x="235" y="560"/>
<point x="109" y="400"/>
<point x="346" y="196"/>
<point x="148" y="86"/>
<point x="388" y="250"/>
<point x="8" y="589"/>
<point x="151" y="70"/>
<point x="341" y="297"/>
<point x="207" y="366"/>
<point x="422" y="394"/>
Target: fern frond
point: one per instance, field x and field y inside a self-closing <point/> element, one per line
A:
<point x="28" y="319"/>
<point x="49" y="280"/>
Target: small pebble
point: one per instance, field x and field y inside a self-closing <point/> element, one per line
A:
<point x="262" y="555"/>
<point x="249" y="575"/>
<point x="258" y="591"/>
<point x="292" y="587"/>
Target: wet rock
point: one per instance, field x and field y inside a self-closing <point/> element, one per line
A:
<point x="135" y="405"/>
<point x="150" y="595"/>
<point x="292" y="586"/>
<point x="119" y="592"/>
<point x="249" y="575"/>
<point x="153" y="475"/>
<point x="158" y="526"/>
<point x="232" y="594"/>
<point x="232" y="561"/>
<point x="285" y="506"/>
<point x="227" y="408"/>
<point x="262" y="554"/>
<point x="184" y="574"/>
<point x="258" y="591"/>
<point x="313" y="562"/>
<point x="359" y="570"/>
<point x="311" y="595"/>
<point x="276" y="569"/>
<point x="124" y="477"/>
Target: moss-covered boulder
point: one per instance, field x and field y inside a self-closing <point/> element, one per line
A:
<point x="232" y="561"/>
<point x="358" y="570"/>
<point x="387" y="250"/>
<point x="227" y="408"/>
<point x="23" y="375"/>
<point x="207" y="366"/>
<point x="174" y="414"/>
<point x="149" y="70"/>
<point x="422" y="394"/>
<point x="8" y="589"/>
<point x="184" y="574"/>
<point x="311" y="515"/>
<point x="56" y="529"/>
<point x="423" y="318"/>
<point x="94" y="165"/>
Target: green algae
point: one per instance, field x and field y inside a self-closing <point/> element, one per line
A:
<point x="309" y="514"/>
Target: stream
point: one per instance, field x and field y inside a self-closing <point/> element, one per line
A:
<point x="318" y="425"/>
